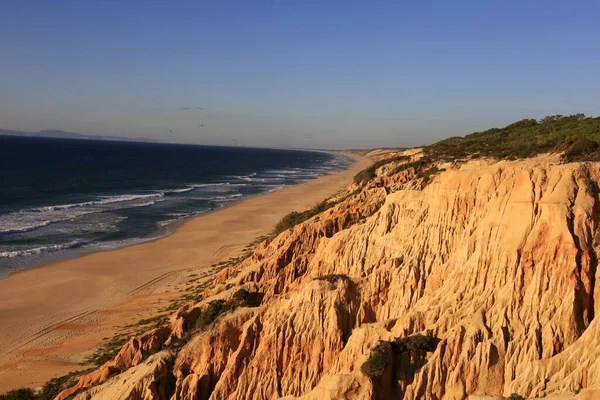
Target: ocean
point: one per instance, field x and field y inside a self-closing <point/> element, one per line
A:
<point x="61" y="198"/>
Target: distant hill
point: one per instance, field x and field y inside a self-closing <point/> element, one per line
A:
<point x="48" y="133"/>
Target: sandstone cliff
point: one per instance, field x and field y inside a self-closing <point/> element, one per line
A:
<point x="494" y="261"/>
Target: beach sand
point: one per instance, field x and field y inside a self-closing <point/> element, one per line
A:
<point x="53" y="316"/>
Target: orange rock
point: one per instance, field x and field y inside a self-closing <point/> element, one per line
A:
<point x="496" y="259"/>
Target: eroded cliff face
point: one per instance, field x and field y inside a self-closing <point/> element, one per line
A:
<point x="497" y="260"/>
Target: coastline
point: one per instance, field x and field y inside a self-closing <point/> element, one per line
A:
<point x="160" y="232"/>
<point x="55" y="314"/>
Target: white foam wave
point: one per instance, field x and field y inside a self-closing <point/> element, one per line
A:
<point x="202" y="185"/>
<point x="220" y="198"/>
<point x="276" y="187"/>
<point x="102" y="201"/>
<point x="31" y="219"/>
<point x="43" y="249"/>
<point x="187" y="189"/>
<point x="167" y="222"/>
<point x="178" y="215"/>
<point x="16" y="227"/>
<point x="146" y="204"/>
<point x="247" y="178"/>
<point x="34" y="218"/>
<point x="292" y="171"/>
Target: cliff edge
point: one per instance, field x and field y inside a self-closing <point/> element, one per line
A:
<point x="425" y="279"/>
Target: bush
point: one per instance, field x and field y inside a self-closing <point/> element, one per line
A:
<point x="416" y="343"/>
<point x="384" y="353"/>
<point x="19" y="394"/>
<point x="49" y="391"/>
<point x="241" y="295"/>
<point x="332" y="278"/>
<point x="427" y="174"/>
<point x="415" y="164"/>
<point x="522" y="139"/>
<point x="581" y="149"/>
<point x="53" y="387"/>
<point x="515" y="396"/>
<point x="378" y="361"/>
<point x="214" y="309"/>
<point x="106" y="351"/>
<point x="365" y="176"/>
<point x="368" y="174"/>
<point x="289" y="221"/>
<point x="294" y="218"/>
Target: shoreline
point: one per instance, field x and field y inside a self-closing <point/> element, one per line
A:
<point x="160" y="232"/>
<point x="55" y="314"/>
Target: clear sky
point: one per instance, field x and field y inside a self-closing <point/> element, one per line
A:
<point x="297" y="73"/>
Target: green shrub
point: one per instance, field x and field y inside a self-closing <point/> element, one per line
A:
<point x="213" y="310"/>
<point x="582" y="149"/>
<point x="416" y="343"/>
<point x="332" y="278"/>
<point x="294" y="218"/>
<point x="522" y="139"/>
<point x="427" y="174"/>
<point x="53" y="387"/>
<point x="49" y="391"/>
<point x="378" y="361"/>
<point x="289" y="221"/>
<point x="368" y="174"/>
<point x="385" y="353"/>
<point x="156" y="321"/>
<point x="19" y="394"/>
<point x="415" y="164"/>
<point x="365" y="176"/>
<point x="107" y="351"/>
<point x="241" y="295"/>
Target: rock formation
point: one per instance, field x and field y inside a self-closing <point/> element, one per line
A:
<point x="494" y="260"/>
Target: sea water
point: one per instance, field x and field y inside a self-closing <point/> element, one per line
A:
<point x="61" y="198"/>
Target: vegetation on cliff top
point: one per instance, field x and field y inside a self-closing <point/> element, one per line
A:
<point x="575" y="135"/>
<point x="368" y="174"/>
<point x="297" y="217"/>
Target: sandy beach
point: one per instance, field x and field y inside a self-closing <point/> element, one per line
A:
<point x="53" y="316"/>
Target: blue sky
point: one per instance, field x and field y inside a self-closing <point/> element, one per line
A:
<point x="303" y="73"/>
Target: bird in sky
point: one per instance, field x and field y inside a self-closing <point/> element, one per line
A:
<point x="184" y="108"/>
<point x="200" y="108"/>
<point x="234" y="140"/>
<point x="170" y="130"/>
<point x="200" y="125"/>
